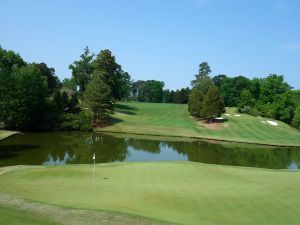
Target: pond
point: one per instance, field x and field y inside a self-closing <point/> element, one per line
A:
<point x="59" y="148"/>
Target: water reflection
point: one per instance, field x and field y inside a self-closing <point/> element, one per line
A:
<point x="78" y="147"/>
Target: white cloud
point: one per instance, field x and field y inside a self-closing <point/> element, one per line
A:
<point x="291" y="46"/>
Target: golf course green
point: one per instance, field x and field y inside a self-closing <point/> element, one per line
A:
<point x="6" y="133"/>
<point x="174" y="120"/>
<point x="176" y="192"/>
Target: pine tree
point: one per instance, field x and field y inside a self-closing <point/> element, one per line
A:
<point x="98" y="99"/>
<point x="213" y="104"/>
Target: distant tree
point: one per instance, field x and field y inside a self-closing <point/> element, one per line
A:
<point x="203" y="82"/>
<point x="25" y="105"/>
<point x="111" y="73"/>
<point x="98" y="99"/>
<point x="283" y="107"/>
<point x="296" y="119"/>
<point x="195" y="102"/>
<point x="213" y="104"/>
<point x="272" y="86"/>
<point x="218" y="80"/>
<point x="182" y="96"/>
<point x="52" y="80"/>
<point x="246" y="99"/>
<point x="69" y="83"/>
<point x="82" y="70"/>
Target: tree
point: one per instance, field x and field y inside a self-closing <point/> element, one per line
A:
<point x="272" y="86"/>
<point x="203" y="82"/>
<point x="26" y="106"/>
<point x="52" y="80"/>
<point x="82" y="70"/>
<point x="213" y="104"/>
<point x="111" y="73"/>
<point x="296" y="119"/>
<point x="195" y="102"/>
<point x="98" y="99"/>
<point x="246" y="99"/>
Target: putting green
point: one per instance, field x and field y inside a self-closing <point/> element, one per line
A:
<point x="174" y="120"/>
<point x="178" y="192"/>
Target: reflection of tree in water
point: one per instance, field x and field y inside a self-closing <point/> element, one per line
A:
<point x="144" y="145"/>
<point x="239" y="155"/>
<point x="38" y="148"/>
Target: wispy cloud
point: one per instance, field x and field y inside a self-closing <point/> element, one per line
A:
<point x="291" y="46"/>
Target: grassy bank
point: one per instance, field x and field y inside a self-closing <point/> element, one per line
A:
<point x="174" y="120"/>
<point x="6" y="133"/>
<point x="178" y="192"/>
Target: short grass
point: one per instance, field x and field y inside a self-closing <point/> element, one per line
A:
<point x="5" y="134"/>
<point x="174" y="120"/>
<point x="178" y="192"/>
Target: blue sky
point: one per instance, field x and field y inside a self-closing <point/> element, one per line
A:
<point x="160" y="39"/>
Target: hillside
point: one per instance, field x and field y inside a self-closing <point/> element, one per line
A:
<point x="174" y="120"/>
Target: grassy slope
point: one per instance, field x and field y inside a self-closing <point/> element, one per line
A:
<point x="5" y="134"/>
<point x="180" y="192"/>
<point x="173" y="120"/>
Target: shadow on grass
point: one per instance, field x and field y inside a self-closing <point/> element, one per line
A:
<point x="125" y="109"/>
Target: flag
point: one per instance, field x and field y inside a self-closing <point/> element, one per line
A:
<point x="94" y="157"/>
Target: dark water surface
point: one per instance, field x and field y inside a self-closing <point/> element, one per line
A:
<point x="58" y="148"/>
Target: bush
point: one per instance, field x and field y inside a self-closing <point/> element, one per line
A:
<point x="81" y="121"/>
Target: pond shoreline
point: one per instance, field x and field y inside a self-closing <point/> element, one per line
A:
<point x="199" y="138"/>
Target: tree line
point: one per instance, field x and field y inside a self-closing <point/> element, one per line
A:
<point x="33" y="98"/>
<point x="269" y="97"/>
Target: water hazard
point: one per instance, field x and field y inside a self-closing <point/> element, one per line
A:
<point x="59" y="148"/>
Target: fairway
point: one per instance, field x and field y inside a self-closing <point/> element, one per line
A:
<point x="184" y="193"/>
<point x="174" y="120"/>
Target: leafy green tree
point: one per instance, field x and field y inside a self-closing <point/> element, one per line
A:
<point x="98" y="99"/>
<point x="296" y="119"/>
<point x="111" y="73"/>
<point x="272" y="86"/>
<point x="52" y="80"/>
<point x="213" y="104"/>
<point x="26" y="105"/>
<point x="246" y="99"/>
<point x="82" y="70"/>
<point x="69" y="83"/>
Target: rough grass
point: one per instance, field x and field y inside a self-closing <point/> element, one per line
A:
<point x="174" y="120"/>
<point x="6" y="133"/>
<point x="178" y="192"/>
<point x="15" y="216"/>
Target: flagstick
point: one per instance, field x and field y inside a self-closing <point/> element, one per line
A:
<point x="94" y="168"/>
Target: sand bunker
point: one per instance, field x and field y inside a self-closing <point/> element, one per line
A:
<point x="226" y="114"/>
<point x="237" y="115"/>
<point x="219" y="118"/>
<point x="272" y="123"/>
<point x="263" y="121"/>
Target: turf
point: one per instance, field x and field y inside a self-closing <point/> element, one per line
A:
<point x="5" y="134"/>
<point x="178" y="192"/>
<point x="15" y="216"/>
<point x="174" y="120"/>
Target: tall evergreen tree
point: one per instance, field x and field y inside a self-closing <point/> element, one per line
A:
<point x="98" y="99"/>
<point x="213" y="104"/>
<point x="111" y="73"/>
<point x="82" y="70"/>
